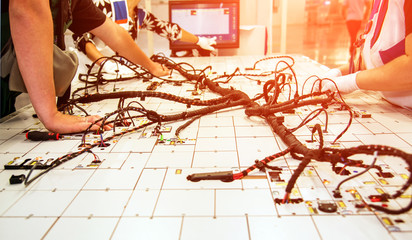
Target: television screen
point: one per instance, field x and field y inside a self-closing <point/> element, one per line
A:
<point x="206" y="18"/>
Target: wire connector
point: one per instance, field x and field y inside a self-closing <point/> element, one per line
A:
<point x="337" y="194"/>
<point x="17" y="179"/>
<point x="226" y="176"/>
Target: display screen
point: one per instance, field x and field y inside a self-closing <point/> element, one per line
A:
<point x="208" y="18"/>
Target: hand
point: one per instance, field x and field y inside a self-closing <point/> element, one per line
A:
<point x="206" y="43"/>
<point x="63" y="123"/>
<point x="158" y="70"/>
<point x="345" y="84"/>
<point x="332" y="73"/>
<point x="116" y="68"/>
<point x="109" y="66"/>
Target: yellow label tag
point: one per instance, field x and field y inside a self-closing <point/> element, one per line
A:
<point x="295" y="192"/>
<point x="379" y="190"/>
<point x="383" y="181"/>
<point x="387" y="221"/>
<point x="311" y="210"/>
<point x="341" y="204"/>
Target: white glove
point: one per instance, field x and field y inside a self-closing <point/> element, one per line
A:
<point x="332" y="73"/>
<point x="206" y="43"/>
<point x="116" y="68"/>
<point x="345" y="84"/>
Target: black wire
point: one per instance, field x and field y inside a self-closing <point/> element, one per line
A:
<point x="180" y="128"/>
<point x="360" y="173"/>
<point x="306" y="120"/>
<point x="230" y="98"/>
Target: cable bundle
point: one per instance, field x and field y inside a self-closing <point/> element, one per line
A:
<point x="284" y="79"/>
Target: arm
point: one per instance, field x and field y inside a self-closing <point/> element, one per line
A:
<point x="188" y="37"/>
<point x="393" y="76"/>
<point x="173" y="31"/>
<point x="120" y="41"/>
<point x="32" y="20"/>
<point x="203" y="42"/>
<point x="93" y="53"/>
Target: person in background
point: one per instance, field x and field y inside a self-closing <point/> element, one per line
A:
<point x="354" y="12"/>
<point x="35" y="26"/>
<point x="127" y="14"/>
<point x="386" y="55"/>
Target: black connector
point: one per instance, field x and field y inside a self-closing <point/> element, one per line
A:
<point x="289" y="201"/>
<point x="379" y="198"/>
<point x="341" y="171"/>
<point x="327" y="207"/>
<point x="17" y="179"/>
<point x="385" y="174"/>
<point x="42" y="136"/>
<point x="226" y="176"/>
<point x="337" y="194"/>
<point x="153" y="86"/>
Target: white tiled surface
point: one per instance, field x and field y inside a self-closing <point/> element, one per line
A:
<point x="140" y="190"/>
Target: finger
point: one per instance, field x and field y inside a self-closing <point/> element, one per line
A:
<point x="329" y="86"/>
<point x="97" y="122"/>
<point x="97" y="127"/>
<point x="210" y="48"/>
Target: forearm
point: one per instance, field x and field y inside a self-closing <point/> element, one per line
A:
<point x="344" y="69"/>
<point x="120" y="41"/>
<point x="393" y="76"/>
<point x="32" y="20"/>
<point x="169" y="30"/>
<point x="188" y="37"/>
<point x="31" y="28"/>
<point x="93" y="53"/>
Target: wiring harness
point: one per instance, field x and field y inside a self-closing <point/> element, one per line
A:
<point x="283" y="81"/>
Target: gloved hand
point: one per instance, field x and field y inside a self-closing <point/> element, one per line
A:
<point x="332" y="73"/>
<point x="116" y="68"/>
<point x="206" y="43"/>
<point x="345" y="84"/>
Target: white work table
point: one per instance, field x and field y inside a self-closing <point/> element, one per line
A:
<point x="139" y="189"/>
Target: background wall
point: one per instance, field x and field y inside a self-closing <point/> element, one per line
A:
<point x="301" y="17"/>
<point x="295" y="14"/>
<point x="251" y="13"/>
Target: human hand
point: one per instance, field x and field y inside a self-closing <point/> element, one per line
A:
<point x="158" y="69"/>
<point x="332" y="73"/>
<point x="116" y="68"/>
<point x="206" y="43"/>
<point x="63" y="123"/>
<point x="345" y="84"/>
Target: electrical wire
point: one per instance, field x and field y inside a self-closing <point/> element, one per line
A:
<point x="284" y="78"/>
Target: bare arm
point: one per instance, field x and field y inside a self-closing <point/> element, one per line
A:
<point x="93" y="53"/>
<point x="393" y="76"/>
<point x="120" y="41"/>
<point x="32" y="33"/>
<point x="188" y="37"/>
